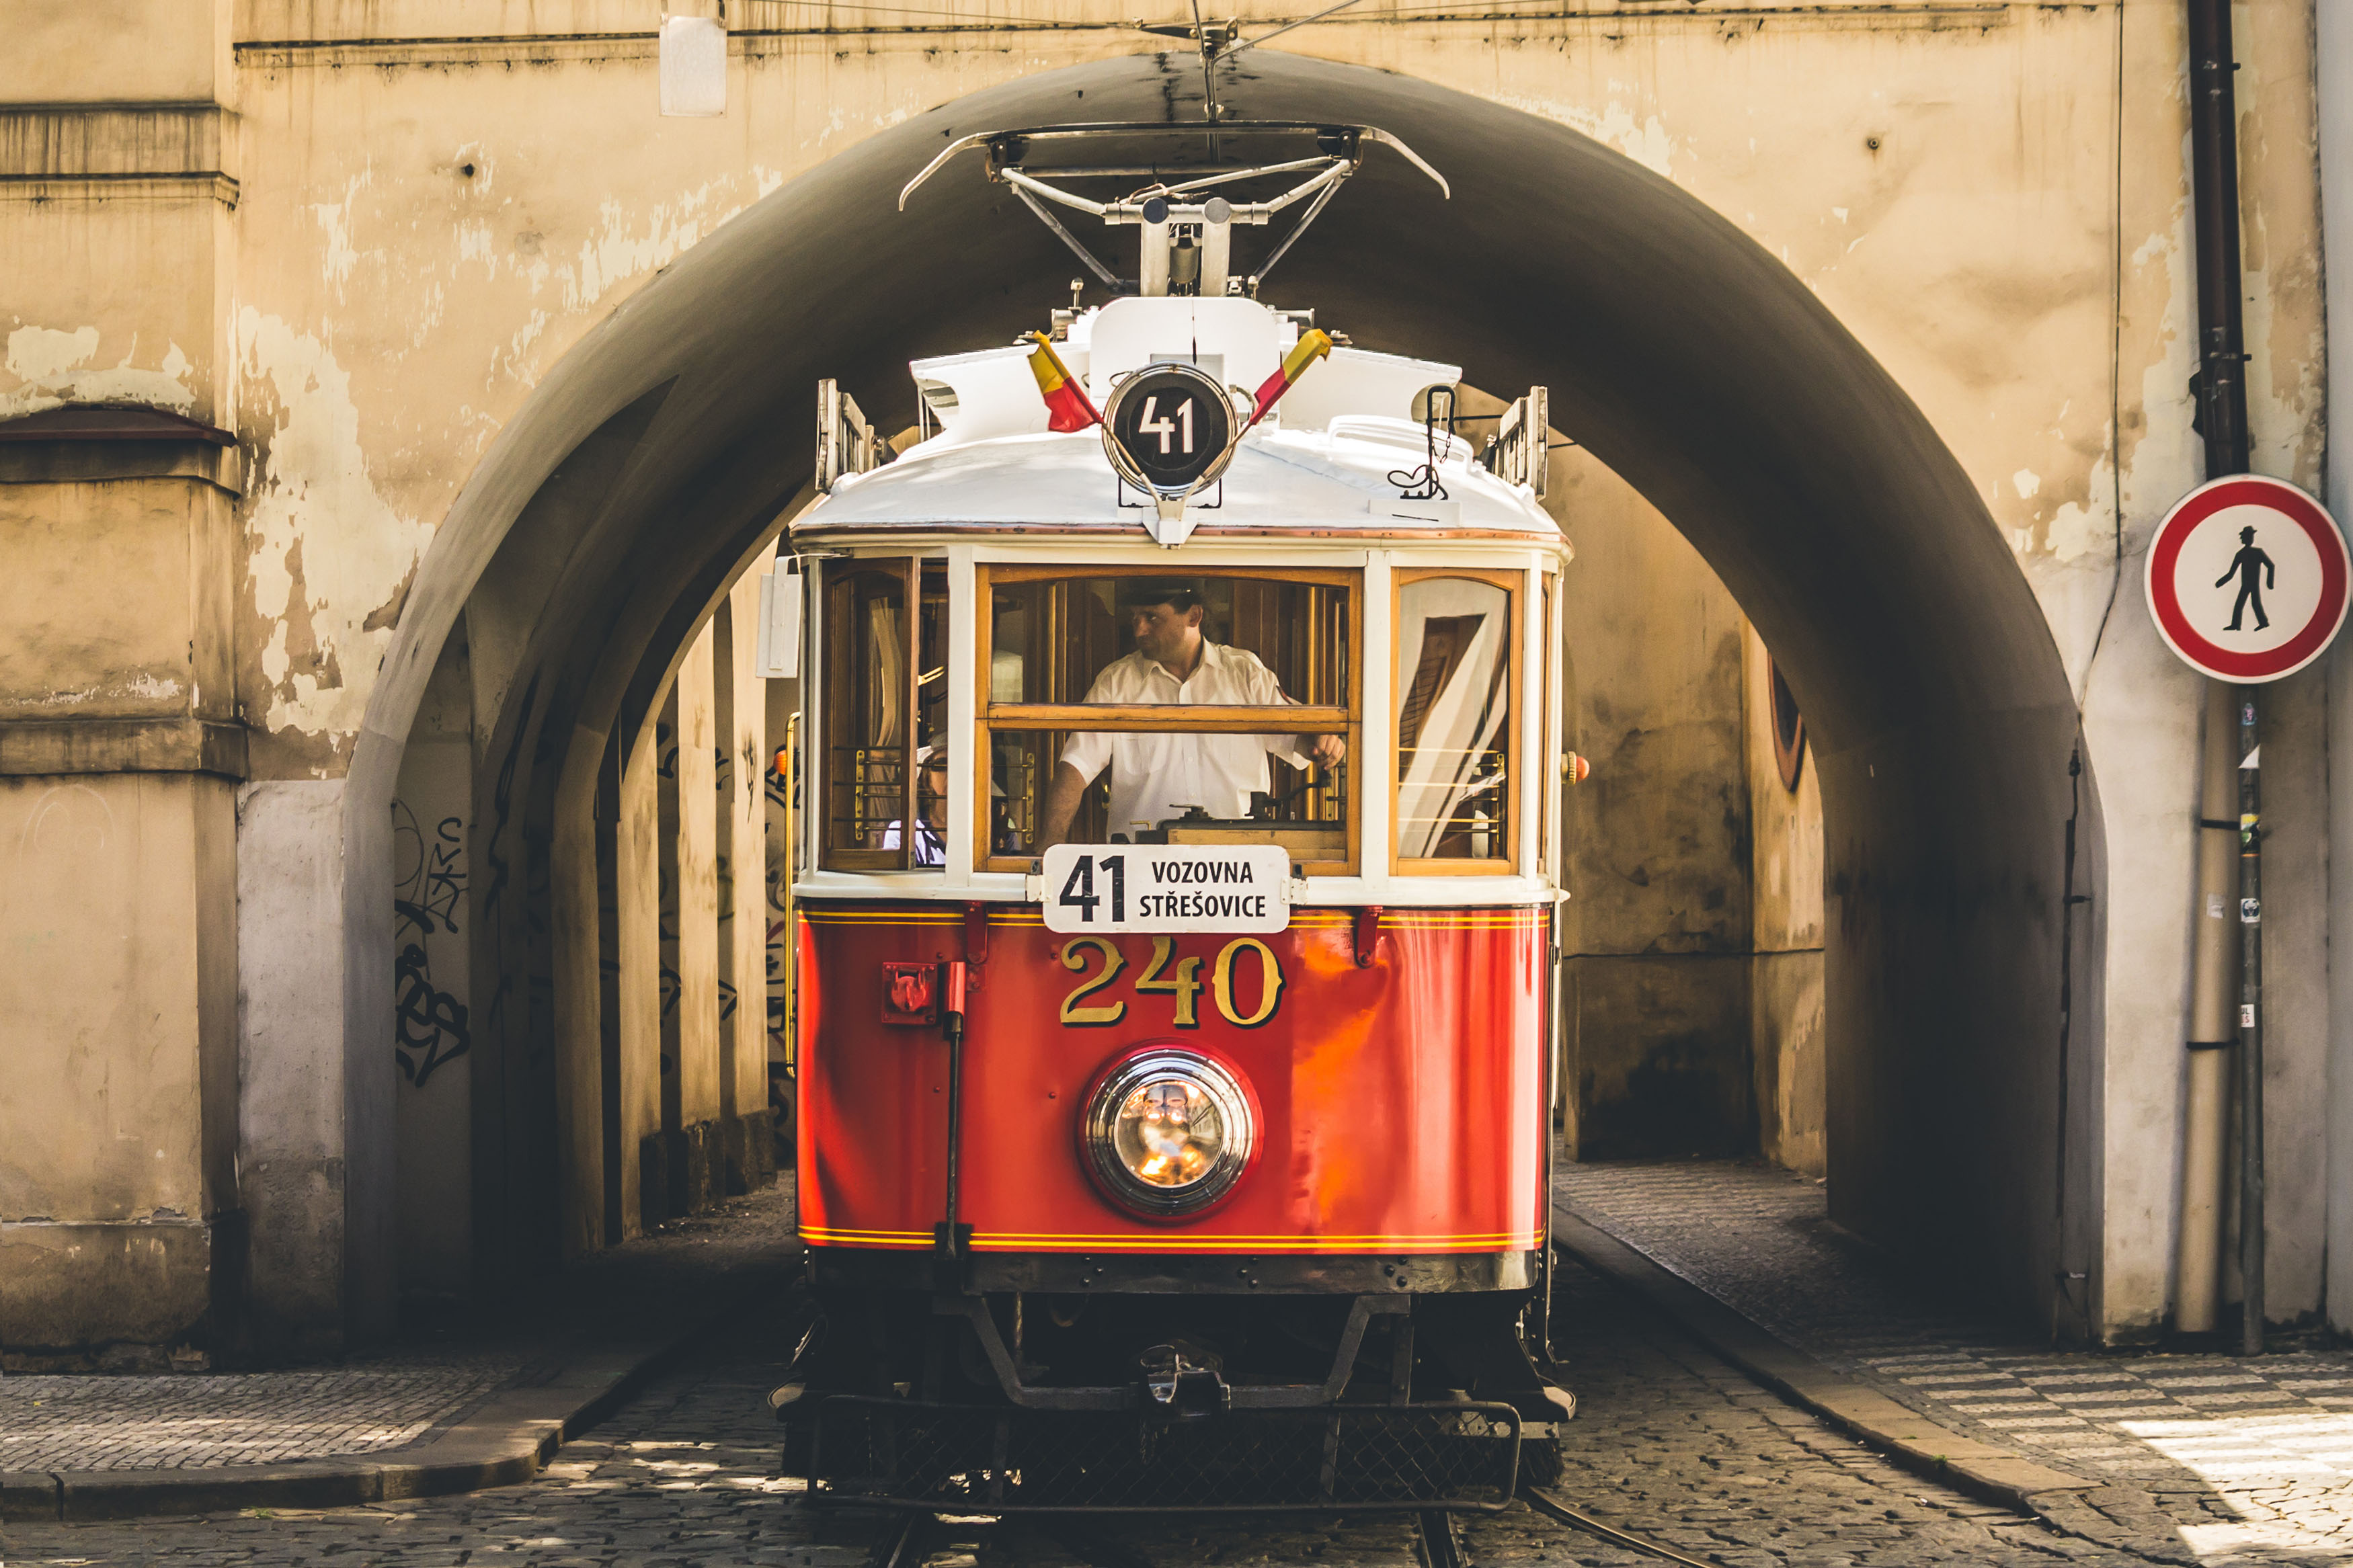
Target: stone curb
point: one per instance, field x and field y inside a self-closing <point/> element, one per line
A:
<point x="502" y="1442"/>
<point x="1990" y="1473"/>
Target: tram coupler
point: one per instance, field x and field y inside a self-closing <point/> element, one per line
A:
<point x="1184" y="1383"/>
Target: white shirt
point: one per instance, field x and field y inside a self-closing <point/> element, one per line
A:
<point x="1156" y="777"/>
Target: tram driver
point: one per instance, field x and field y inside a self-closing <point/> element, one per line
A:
<point x="1154" y="777"/>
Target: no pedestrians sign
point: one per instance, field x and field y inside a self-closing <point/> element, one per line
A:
<point x="2246" y="578"/>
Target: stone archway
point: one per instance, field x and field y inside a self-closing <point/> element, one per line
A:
<point x="645" y="470"/>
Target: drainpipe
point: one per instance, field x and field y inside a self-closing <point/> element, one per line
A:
<point x="2222" y="410"/>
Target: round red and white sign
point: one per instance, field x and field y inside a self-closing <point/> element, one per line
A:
<point x="2246" y="578"/>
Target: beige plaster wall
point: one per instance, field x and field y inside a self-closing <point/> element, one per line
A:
<point x="432" y="931"/>
<point x="636" y="918"/>
<point x="1658" y="923"/>
<point x="1694" y="924"/>
<point x="743" y="879"/>
<point x="1786" y="986"/>
<point x="119" y="1129"/>
<point x="698" y="887"/>
<point x="114" y="51"/>
<point x="115" y="600"/>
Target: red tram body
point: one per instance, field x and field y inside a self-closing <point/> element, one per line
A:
<point x="1407" y="1092"/>
<point x="1175" y="940"/>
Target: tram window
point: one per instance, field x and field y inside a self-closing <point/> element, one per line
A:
<point x="1094" y="736"/>
<point x="886" y="716"/>
<point x="1457" y="642"/>
<point x="1555" y="802"/>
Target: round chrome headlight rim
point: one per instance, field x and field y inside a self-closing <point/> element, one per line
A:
<point x="1237" y="1113"/>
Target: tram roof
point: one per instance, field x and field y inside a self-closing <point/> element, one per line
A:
<point x="1332" y="482"/>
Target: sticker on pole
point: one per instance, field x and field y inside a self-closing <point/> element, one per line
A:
<point x="2246" y="578"/>
<point x="1159" y="888"/>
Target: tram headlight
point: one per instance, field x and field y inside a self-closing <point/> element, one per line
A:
<point x="1168" y="1133"/>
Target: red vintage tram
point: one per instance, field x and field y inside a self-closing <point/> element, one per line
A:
<point x="1174" y="941"/>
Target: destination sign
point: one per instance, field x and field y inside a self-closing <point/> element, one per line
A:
<point x="1167" y="887"/>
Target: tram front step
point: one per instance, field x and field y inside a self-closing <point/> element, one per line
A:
<point x="999" y="1460"/>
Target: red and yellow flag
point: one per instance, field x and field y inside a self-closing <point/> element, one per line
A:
<point x="1313" y="344"/>
<point x="1067" y="408"/>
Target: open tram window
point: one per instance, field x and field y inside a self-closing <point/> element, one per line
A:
<point x="1457" y="638"/>
<point x="885" y="715"/>
<point x="1098" y="699"/>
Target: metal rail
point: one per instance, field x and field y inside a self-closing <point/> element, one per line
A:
<point x="1440" y="1546"/>
<point x="905" y="1542"/>
<point x="901" y="1545"/>
<point x="1544" y="1502"/>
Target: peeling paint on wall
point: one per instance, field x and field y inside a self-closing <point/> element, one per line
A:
<point x="325" y="549"/>
<point x="52" y="368"/>
<point x="1645" y="140"/>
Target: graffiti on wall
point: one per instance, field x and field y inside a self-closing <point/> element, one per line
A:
<point x="430" y="1024"/>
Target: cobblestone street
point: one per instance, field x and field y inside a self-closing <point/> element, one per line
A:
<point x="1669" y="1441"/>
<point x="2231" y="1452"/>
<point x="401" y="1392"/>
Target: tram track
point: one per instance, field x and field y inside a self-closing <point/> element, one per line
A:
<point x="1545" y="1501"/>
<point x="1441" y="1545"/>
<point x="912" y="1540"/>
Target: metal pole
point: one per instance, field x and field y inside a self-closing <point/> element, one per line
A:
<point x="2250" y="1027"/>
<point x="2206" y="1108"/>
<point x="2221" y="403"/>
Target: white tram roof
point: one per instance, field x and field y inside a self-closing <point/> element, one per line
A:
<point x="1320" y="465"/>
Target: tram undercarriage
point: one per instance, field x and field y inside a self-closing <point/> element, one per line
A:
<point x="1270" y="1390"/>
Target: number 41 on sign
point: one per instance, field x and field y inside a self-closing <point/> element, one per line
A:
<point x="1166" y="888"/>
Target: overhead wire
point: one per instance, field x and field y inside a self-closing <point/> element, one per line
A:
<point x="1253" y="43"/>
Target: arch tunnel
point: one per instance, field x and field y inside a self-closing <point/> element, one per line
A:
<point x="609" y="519"/>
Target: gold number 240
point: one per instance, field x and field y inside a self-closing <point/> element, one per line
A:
<point x="1180" y="979"/>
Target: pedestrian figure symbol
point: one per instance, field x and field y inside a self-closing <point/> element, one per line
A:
<point x="2247" y="565"/>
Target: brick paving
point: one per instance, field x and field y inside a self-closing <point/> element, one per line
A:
<point x="1669" y="1441"/>
<point x="2223" y="1454"/>
<point x="387" y="1400"/>
<point x="198" y="1421"/>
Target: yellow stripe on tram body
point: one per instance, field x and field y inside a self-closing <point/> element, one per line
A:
<point x="1023" y="1241"/>
<point x="1319" y="919"/>
<point x="866" y="1238"/>
<point x="1256" y="1244"/>
<point x="848" y="919"/>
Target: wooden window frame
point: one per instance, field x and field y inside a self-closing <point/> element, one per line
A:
<point x="1514" y="583"/>
<point x="1552" y="736"/>
<point x="830" y="858"/>
<point x="1346" y="721"/>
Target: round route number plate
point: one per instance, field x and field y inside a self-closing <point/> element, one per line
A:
<point x="1170" y="428"/>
